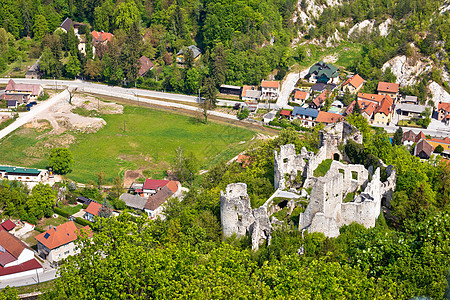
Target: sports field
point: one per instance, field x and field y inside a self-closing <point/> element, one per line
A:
<point x="140" y="138"/>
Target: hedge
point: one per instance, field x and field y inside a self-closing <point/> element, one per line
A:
<point x="60" y="212"/>
<point x="82" y="221"/>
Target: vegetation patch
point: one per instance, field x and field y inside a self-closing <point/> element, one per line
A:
<point x="323" y="168"/>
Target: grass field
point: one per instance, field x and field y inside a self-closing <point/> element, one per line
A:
<point x="139" y="138"/>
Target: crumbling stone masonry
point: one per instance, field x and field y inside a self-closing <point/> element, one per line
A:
<point x="239" y="218"/>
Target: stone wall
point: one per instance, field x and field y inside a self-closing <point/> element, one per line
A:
<point x="288" y="164"/>
<point x="237" y="216"/>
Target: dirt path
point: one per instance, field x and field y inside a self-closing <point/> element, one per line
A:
<point x="288" y="86"/>
<point x="35" y="113"/>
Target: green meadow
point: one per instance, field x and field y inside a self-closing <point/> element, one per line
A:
<point x="140" y="138"/>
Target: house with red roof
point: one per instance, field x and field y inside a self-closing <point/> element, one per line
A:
<point x="319" y="101"/>
<point x="286" y="114"/>
<point x="300" y="96"/>
<point x="445" y="143"/>
<point x="388" y="89"/>
<point x="409" y="137"/>
<point x="101" y="37"/>
<point x="328" y="118"/>
<point x="353" y="84"/>
<point x="158" y="192"/>
<point x="26" y="91"/>
<point x="443" y="111"/>
<point x="91" y="211"/>
<point x="382" y="114"/>
<point x="7" y="225"/>
<point x="16" y="258"/>
<point x="270" y="89"/>
<point x="57" y="243"/>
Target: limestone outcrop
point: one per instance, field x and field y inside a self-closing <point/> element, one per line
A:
<point x="407" y="70"/>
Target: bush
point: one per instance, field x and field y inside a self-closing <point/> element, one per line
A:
<point x="60" y="212"/>
<point x="243" y="114"/>
<point x="82" y="221"/>
<point x="439" y="149"/>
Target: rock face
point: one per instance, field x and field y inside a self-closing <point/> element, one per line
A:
<point x="406" y="70"/>
<point x="312" y="9"/>
<point x="237" y="216"/>
<point x="360" y="28"/>
<point x="384" y="27"/>
<point x="439" y="94"/>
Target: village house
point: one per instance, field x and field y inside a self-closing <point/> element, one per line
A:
<point x="196" y="53"/>
<point x="67" y="23"/>
<point x="101" y="37"/>
<point x="409" y="110"/>
<point x="387" y="88"/>
<point x="328" y="118"/>
<point x="7" y="225"/>
<point x="27" y="176"/>
<point x="91" y="211"/>
<point x="34" y="71"/>
<point x="270" y="116"/>
<point x="423" y="149"/>
<point x="27" y="92"/>
<point x="319" y="101"/>
<point x="285" y="114"/>
<point x="353" y="84"/>
<point x="300" y="96"/>
<point x="270" y="89"/>
<point x="320" y="87"/>
<point x="445" y="143"/>
<point x="307" y="115"/>
<point x="57" y="243"/>
<point x="409" y="138"/>
<point x="383" y="112"/>
<point x="250" y="93"/>
<point x="323" y="73"/>
<point x="135" y="202"/>
<point x="16" y="258"/>
<point x="410" y="99"/>
<point x="443" y="112"/>
<point x="227" y="89"/>
<point x="145" y="65"/>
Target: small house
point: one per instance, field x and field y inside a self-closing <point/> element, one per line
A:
<point x="300" y="96"/>
<point x="196" y="52"/>
<point x="57" y="243"/>
<point x="270" y="89"/>
<point x="443" y="111"/>
<point x="409" y="137"/>
<point x="410" y="99"/>
<point x="230" y="90"/>
<point x="409" y="110"/>
<point x="319" y="101"/>
<point x="250" y="93"/>
<point x="423" y="149"/>
<point x="28" y="91"/>
<point x="307" y="115"/>
<point x="388" y="88"/>
<point x="134" y="201"/>
<point x="353" y="84"/>
<point x="16" y="258"/>
<point x="327" y="117"/>
<point x="145" y="65"/>
<point x="91" y="211"/>
<point x="382" y="114"/>
<point x="285" y="114"/>
<point x="323" y="73"/>
<point x="7" y="225"/>
<point x="270" y="116"/>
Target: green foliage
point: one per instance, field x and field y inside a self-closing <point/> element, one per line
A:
<point x="398" y="136"/>
<point x="185" y="166"/>
<point x="439" y="149"/>
<point x="61" y="160"/>
<point x="323" y="168"/>
<point x="243" y="114"/>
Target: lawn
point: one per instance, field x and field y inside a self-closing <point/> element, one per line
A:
<point x="70" y="209"/>
<point x="139" y="138"/>
<point x="322" y="168"/>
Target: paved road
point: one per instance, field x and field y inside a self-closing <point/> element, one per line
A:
<point x="27" y="117"/>
<point x="47" y="275"/>
<point x="288" y="86"/>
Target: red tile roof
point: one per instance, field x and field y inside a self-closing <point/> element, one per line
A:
<point x="355" y="81"/>
<point x="93" y="208"/>
<point x="244" y="160"/>
<point x="32" y="264"/>
<point x="444" y="106"/>
<point x="286" y="113"/>
<point x="424" y="146"/>
<point x="145" y="65"/>
<point x="327" y="117"/>
<point x="444" y="141"/>
<point x="321" y="98"/>
<point x="101" y="36"/>
<point x="34" y="89"/>
<point x="159" y="198"/>
<point x="61" y="235"/>
<point x="12" y="244"/>
<point x="385" y="106"/>
<point x="372" y="97"/>
<point x="154" y="184"/>
<point x="173" y="186"/>
<point x="388" y="87"/>
<point x="8" y="225"/>
<point x="419" y="136"/>
<point x="300" y="95"/>
<point x="367" y="106"/>
<point x="270" y="84"/>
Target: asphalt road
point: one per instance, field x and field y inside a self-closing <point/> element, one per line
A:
<point x="160" y="98"/>
<point x="47" y="275"/>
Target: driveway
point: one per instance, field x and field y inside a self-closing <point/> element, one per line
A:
<point x="47" y="275"/>
<point x="34" y="113"/>
<point x="287" y="86"/>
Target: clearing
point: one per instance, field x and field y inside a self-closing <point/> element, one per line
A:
<point x="133" y="138"/>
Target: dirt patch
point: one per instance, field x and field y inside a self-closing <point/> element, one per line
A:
<point x="39" y="125"/>
<point x="93" y="103"/>
<point x="131" y="176"/>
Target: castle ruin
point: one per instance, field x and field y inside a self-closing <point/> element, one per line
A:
<point x="347" y="193"/>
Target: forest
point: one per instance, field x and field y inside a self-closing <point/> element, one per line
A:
<point x="242" y="42"/>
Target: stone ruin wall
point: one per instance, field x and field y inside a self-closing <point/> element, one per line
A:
<point x="287" y="162"/>
<point x="237" y="216"/>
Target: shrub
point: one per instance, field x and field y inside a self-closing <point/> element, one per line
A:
<point x="82" y="221"/>
<point x="60" y="212"/>
<point x="439" y="149"/>
<point x="243" y="114"/>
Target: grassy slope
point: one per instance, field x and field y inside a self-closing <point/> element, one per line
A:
<point x="149" y="141"/>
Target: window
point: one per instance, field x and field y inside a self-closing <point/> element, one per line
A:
<point x="66" y="253"/>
